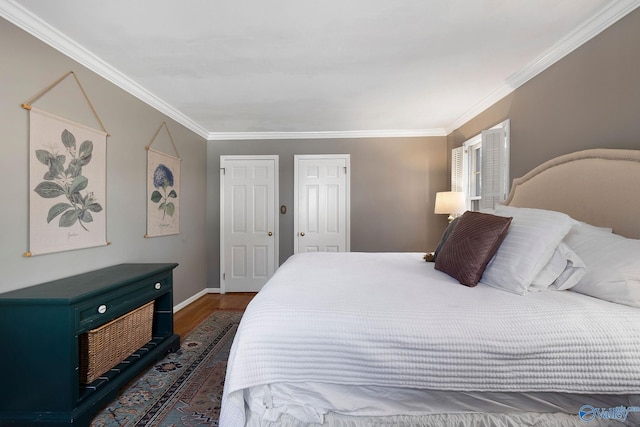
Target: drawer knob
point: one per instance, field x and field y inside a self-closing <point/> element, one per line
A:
<point x="158" y="285"/>
<point x="102" y="309"/>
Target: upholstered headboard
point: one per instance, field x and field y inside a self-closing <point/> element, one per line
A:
<point x="598" y="186"/>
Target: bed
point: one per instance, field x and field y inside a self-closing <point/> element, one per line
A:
<point x="548" y="335"/>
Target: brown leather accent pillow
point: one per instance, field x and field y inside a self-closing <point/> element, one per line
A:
<point x="472" y="243"/>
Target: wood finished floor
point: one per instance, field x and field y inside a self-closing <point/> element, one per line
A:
<point x="186" y="320"/>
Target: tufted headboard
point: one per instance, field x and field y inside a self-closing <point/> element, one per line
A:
<point x="597" y="186"/>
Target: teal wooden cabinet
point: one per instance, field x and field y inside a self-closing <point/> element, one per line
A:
<point x="39" y="329"/>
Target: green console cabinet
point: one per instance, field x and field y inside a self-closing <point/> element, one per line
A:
<point x="39" y="329"/>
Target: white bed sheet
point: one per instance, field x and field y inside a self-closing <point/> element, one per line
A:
<point x="391" y="320"/>
<point x="475" y="419"/>
<point x="312" y="403"/>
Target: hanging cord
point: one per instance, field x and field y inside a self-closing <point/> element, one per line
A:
<point x="27" y="104"/>
<point x="148" y="147"/>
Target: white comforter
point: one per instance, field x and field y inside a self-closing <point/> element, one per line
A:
<point x="392" y="320"/>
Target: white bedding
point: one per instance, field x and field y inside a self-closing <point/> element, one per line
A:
<point x="392" y="320"/>
<point x="312" y="403"/>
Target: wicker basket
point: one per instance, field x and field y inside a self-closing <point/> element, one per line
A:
<point x="103" y="348"/>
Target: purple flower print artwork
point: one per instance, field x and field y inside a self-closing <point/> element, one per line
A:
<point x="163" y="180"/>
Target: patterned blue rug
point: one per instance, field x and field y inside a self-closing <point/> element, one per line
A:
<point x="183" y="389"/>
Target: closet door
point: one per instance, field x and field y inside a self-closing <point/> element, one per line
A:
<point x="248" y="222"/>
<point x="321" y="199"/>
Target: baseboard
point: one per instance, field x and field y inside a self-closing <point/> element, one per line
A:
<point x="188" y="301"/>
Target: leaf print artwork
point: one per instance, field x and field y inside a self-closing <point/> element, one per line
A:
<point x="163" y="179"/>
<point x="67" y="184"/>
<point x="68" y="181"/>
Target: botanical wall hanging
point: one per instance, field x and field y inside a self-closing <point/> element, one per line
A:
<point x="67" y="183"/>
<point x="163" y="190"/>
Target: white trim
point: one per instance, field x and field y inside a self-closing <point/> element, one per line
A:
<point x="18" y="15"/>
<point x="607" y="16"/>
<point x="383" y="133"/>
<point x="188" y="301"/>
<point x="221" y="225"/>
<point x="40" y="29"/>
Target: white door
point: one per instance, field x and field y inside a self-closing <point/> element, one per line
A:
<point x="248" y="222"/>
<point x="321" y="200"/>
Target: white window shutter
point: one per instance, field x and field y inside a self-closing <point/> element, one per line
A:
<point x="457" y="170"/>
<point x="495" y="167"/>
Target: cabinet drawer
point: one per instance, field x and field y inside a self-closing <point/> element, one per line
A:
<point x="102" y="309"/>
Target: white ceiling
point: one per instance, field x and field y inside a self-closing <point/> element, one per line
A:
<point x="294" y="68"/>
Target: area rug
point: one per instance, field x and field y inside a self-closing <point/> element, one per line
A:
<point x="183" y="389"/>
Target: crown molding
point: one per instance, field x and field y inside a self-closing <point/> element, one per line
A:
<point x="40" y="29"/>
<point x="387" y="133"/>
<point x="607" y="16"/>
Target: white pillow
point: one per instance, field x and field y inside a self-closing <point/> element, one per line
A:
<point x="587" y="229"/>
<point x="613" y="265"/>
<point x="563" y="271"/>
<point x="532" y="239"/>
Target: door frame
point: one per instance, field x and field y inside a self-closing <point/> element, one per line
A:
<point x="347" y="158"/>
<point x="276" y="195"/>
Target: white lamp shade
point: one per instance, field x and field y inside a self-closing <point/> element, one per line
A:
<point x="450" y="202"/>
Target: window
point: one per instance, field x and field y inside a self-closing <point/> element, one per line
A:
<point x="480" y="168"/>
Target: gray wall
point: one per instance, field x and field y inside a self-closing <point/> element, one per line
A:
<point x="28" y="66"/>
<point x="393" y="186"/>
<point x="589" y="99"/>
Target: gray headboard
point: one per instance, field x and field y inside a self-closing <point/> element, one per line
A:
<point x="598" y="186"/>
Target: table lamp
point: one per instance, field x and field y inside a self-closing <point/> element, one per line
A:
<point x="450" y="202"/>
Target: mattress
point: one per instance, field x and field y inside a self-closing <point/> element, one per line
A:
<point x="392" y="321"/>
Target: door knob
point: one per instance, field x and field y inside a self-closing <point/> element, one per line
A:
<point x="270" y="234"/>
<point x="302" y="234"/>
